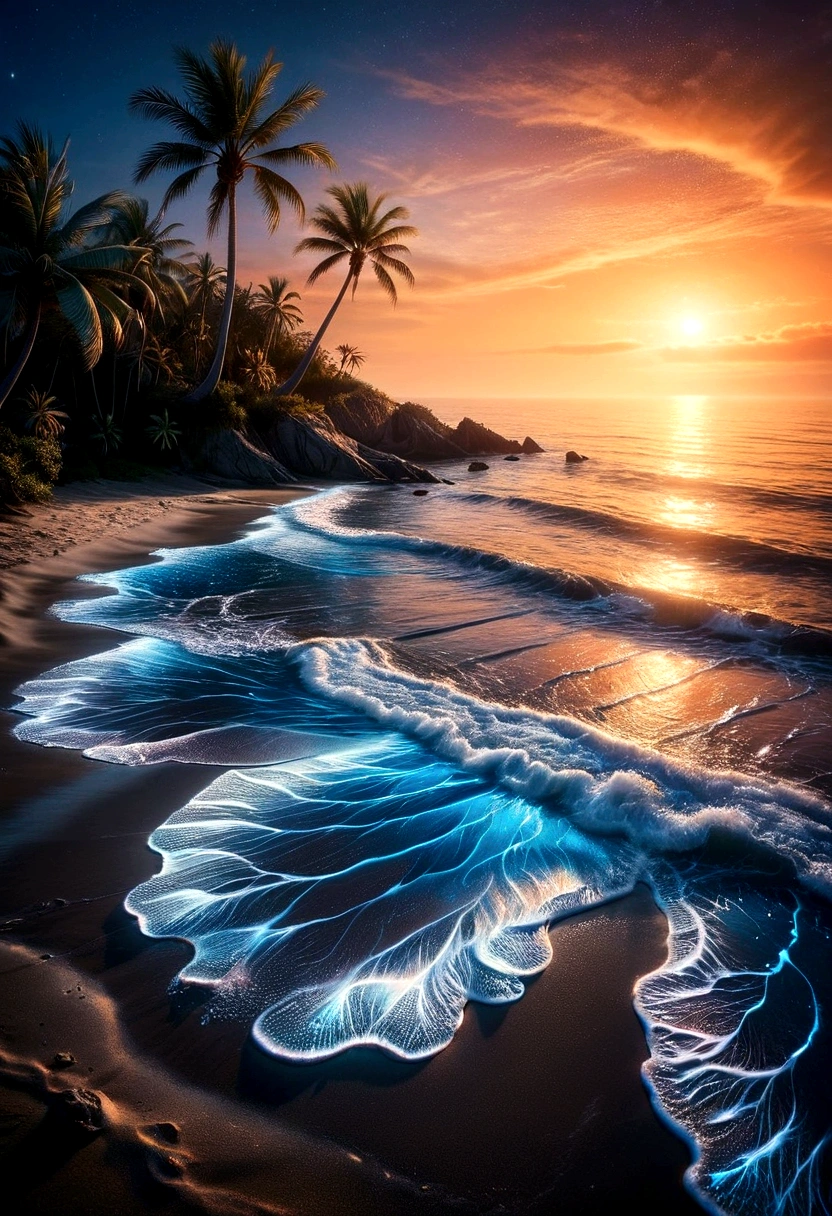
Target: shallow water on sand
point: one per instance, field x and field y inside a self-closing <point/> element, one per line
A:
<point x="437" y="749"/>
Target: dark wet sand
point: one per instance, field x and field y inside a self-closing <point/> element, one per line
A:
<point x="536" y="1107"/>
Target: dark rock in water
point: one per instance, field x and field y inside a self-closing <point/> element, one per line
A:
<point x="479" y="440"/>
<point x="529" y="447"/>
<point x="574" y="457"/>
<point x="511" y="458"/>
<point x="229" y="454"/>
<point x="81" y="1109"/>
<point x="62" y="1059"/>
<point x="419" y="493"/>
<point x="447" y="482"/>
<point x="477" y="466"/>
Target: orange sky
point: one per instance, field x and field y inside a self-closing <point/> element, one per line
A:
<point x="598" y="221"/>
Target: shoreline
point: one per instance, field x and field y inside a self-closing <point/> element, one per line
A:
<point x="543" y="1089"/>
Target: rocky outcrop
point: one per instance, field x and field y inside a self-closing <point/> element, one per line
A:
<point x="312" y="446"/>
<point x="419" y="435"/>
<point x="229" y="454"/>
<point x="572" y="457"/>
<point x="394" y="468"/>
<point x="477" y="466"/>
<point x="361" y="415"/>
<point x="414" y="432"/>
<point x="479" y="440"/>
<point x="360" y="436"/>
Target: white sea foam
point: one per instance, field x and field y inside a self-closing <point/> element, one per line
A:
<point x="607" y="784"/>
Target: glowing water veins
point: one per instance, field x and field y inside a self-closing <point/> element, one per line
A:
<point x="396" y="848"/>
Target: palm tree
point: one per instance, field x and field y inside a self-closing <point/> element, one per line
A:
<point x="161" y="268"/>
<point x="204" y="280"/>
<point x="257" y="371"/>
<point x="226" y="128"/>
<point x="277" y="307"/>
<point x="357" y="230"/>
<point x="45" y="419"/>
<point x="72" y="268"/>
<point x="351" y="357"/>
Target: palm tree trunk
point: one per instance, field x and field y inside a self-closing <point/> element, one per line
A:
<point x="215" y="371"/>
<point x="289" y="386"/>
<point x="22" y="359"/>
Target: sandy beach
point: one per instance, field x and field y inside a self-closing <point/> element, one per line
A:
<point x="513" y="1117"/>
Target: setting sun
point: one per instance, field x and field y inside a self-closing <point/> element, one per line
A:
<point x="692" y="327"/>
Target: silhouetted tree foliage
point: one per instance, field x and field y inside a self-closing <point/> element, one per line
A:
<point x="120" y="343"/>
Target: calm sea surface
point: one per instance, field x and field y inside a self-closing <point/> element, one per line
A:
<point x="724" y="499"/>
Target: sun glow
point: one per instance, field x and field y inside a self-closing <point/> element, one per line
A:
<point x="692" y="327"/>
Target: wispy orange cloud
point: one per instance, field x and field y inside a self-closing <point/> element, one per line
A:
<point x="765" y="116"/>
<point x="810" y="340"/>
<point x="613" y="347"/>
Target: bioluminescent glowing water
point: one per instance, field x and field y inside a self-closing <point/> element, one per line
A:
<point x="405" y="814"/>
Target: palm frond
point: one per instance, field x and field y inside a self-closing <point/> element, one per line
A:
<point x="394" y="264"/>
<point x="217" y="203"/>
<point x="272" y="189"/>
<point x="170" y="154"/>
<point x="299" y="102"/>
<point x="101" y="257"/>
<point x="319" y="244"/>
<point x="316" y="155"/>
<point x="180" y="185"/>
<point x="161" y="105"/>
<point x="325" y="265"/>
<point x="387" y="284"/>
<point x="78" y="308"/>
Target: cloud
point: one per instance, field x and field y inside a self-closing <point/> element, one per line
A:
<point x="759" y="105"/>
<point x="810" y="340"/>
<point x="581" y="348"/>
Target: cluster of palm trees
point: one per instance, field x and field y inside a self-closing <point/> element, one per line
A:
<point x="112" y="284"/>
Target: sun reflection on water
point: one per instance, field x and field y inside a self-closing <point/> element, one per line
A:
<point x="676" y="575"/>
<point x="688" y="443"/>
<point x="688" y="439"/>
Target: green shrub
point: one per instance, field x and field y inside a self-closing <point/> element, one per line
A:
<point x="224" y="410"/>
<point x="29" y="467"/>
<point x="264" y="410"/>
<point x="421" y="412"/>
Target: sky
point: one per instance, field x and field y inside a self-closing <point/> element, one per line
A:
<point x="619" y="199"/>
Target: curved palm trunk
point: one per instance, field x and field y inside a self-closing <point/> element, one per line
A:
<point x="22" y="359"/>
<point x="289" y="386"/>
<point x="215" y="371"/>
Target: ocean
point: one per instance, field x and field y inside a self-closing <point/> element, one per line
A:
<point x="451" y="722"/>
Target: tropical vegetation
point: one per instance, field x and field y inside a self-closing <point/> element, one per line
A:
<point x="355" y="230"/>
<point x="224" y="125"/>
<point x="121" y="343"/>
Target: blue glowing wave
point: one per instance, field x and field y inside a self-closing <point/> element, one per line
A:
<point x="398" y="847"/>
<point x="731" y="1020"/>
<point x="365" y="898"/>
